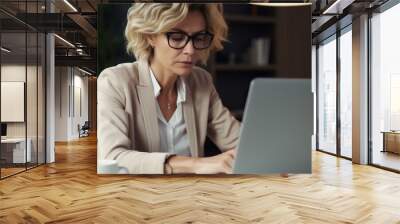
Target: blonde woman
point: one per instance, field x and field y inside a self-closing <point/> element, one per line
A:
<point x="154" y="114"/>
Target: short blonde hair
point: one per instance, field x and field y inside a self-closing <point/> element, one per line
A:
<point x="147" y="19"/>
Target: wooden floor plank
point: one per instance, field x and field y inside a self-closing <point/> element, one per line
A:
<point x="70" y="191"/>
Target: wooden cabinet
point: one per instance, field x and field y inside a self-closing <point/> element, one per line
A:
<point x="391" y="142"/>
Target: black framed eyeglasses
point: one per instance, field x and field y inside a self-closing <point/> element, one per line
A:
<point x="179" y="40"/>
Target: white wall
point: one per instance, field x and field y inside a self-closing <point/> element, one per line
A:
<point x="14" y="72"/>
<point x="17" y="72"/>
<point x="71" y="87"/>
<point x="61" y="103"/>
<point x="13" y="100"/>
<point x="33" y="126"/>
<point x="80" y="84"/>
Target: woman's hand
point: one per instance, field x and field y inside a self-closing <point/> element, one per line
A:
<point x="221" y="163"/>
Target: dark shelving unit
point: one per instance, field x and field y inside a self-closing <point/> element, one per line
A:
<point x="233" y="67"/>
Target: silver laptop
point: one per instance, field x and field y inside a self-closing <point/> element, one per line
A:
<point x="277" y="126"/>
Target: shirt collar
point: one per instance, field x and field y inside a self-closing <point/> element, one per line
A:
<point x="181" y="86"/>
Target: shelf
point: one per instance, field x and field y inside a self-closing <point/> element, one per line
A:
<point x="244" y="67"/>
<point x="250" y="19"/>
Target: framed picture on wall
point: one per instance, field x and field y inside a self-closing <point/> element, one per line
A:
<point x="12" y="101"/>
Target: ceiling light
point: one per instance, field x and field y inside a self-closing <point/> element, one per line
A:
<point x="84" y="71"/>
<point x="80" y="51"/>
<point x="337" y="7"/>
<point x="64" y="40"/>
<point x="5" y="50"/>
<point x="70" y="5"/>
<point x="282" y="4"/>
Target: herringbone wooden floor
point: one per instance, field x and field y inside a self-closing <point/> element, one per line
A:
<point x="70" y="191"/>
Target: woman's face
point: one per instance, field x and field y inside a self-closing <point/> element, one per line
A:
<point x="179" y="61"/>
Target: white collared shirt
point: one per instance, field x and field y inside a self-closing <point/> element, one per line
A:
<point x="173" y="134"/>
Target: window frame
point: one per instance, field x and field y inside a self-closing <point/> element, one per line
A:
<point x="347" y="27"/>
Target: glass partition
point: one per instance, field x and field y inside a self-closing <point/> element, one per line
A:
<point x="41" y="106"/>
<point x="13" y="103"/>
<point x="31" y="100"/>
<point x="22" y="91"/>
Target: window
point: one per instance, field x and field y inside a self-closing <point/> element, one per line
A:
<point x="385" y="88"/>
<point x="346" y="93"/>
<point x="327" y="95"/>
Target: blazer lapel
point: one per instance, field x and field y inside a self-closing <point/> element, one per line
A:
<point x="148" y="107"/>
<point x="189" y="116"/>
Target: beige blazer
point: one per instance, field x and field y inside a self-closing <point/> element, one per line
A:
<point x="127" y="119"/>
